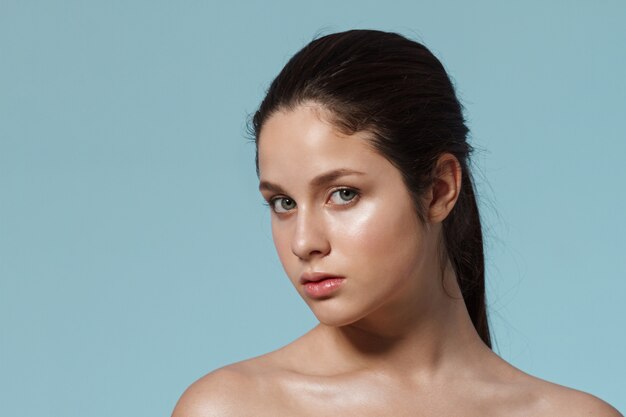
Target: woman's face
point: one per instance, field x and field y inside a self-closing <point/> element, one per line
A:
<point x="343" y="222"/>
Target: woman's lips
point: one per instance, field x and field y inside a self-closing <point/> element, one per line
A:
<point x="320" y="285"/>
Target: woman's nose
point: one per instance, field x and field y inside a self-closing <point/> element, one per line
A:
<point x="309" y="239"/>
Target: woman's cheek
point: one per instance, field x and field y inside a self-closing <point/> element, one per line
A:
<point x="359" y="229"/>
<point x="377" y="232"/>
<point x="282" y="242"/>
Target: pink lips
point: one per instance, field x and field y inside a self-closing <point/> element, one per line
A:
<point x="320" y="285"/>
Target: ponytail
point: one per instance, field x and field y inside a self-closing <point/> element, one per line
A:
<point x="463" y="239"/>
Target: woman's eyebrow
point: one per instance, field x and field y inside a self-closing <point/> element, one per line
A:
<point x="333" y="175"/>
<point x="268" y="186"/>
<point x="316" y="182"/>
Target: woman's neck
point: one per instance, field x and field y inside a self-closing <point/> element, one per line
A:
<point x="418" y="340"/>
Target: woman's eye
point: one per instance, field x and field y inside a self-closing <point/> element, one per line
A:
<point x="343" y="196"/>
<point x="282" y="204"/>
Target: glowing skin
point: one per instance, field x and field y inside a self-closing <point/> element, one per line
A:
<point x="340" y="208"/>
<point x="394" y="338"/>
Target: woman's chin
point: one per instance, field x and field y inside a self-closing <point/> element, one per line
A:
<point x="335" y="317"/>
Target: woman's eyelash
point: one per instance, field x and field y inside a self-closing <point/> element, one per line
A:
<point x="277" y="204"/>
<point x="346" y="195"/>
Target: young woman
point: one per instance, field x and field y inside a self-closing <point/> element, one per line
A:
<point x="363" y="160"/>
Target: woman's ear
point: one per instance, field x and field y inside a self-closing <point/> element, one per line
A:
<point x="445" y="188"/>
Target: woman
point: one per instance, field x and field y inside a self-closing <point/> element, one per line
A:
<point x="363" y="160"/>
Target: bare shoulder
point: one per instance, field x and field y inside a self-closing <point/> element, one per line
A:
<point x="252" y="387"/>
<point x="214" y="394"/>
<point x="576" y="403"/>
<point x="558" y="400"/>
<point x="514" y="392"/>
<point x="231" y="391"/>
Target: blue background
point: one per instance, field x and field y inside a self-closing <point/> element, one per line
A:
<point x="136" y="254"/>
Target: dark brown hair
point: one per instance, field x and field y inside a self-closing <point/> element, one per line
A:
<point x="397" y="90"/>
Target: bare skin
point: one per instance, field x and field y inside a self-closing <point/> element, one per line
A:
<point x="395" y="338"/>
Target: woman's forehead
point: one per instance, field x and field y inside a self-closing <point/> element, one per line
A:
<point x="300" y="141"/>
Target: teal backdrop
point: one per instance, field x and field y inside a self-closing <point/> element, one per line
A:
<point x="135" y="251"/>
